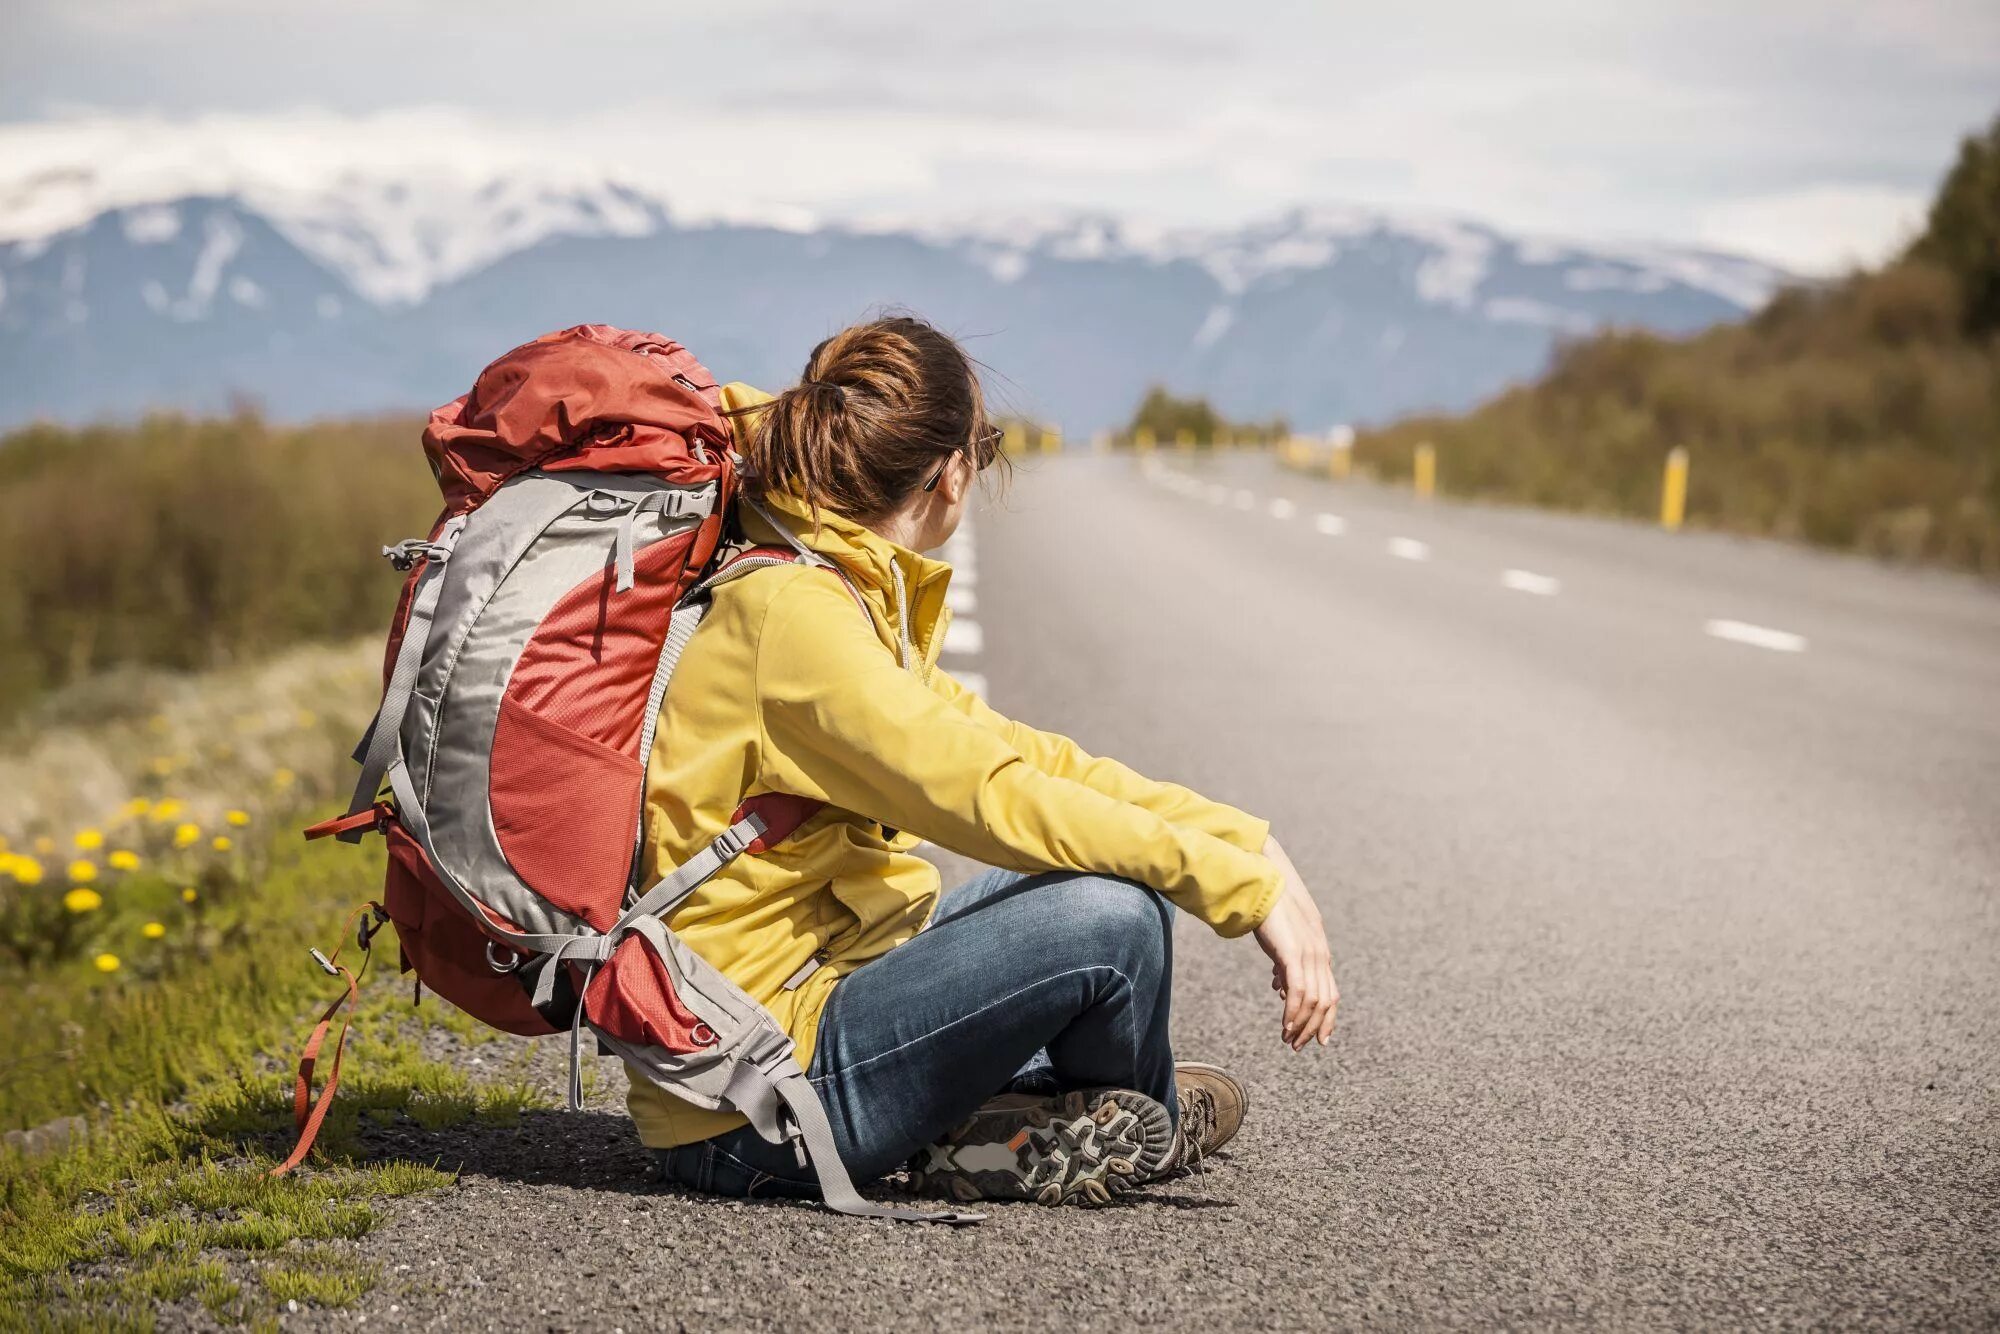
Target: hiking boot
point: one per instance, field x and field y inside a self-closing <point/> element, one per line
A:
<point x="1080" y="1147"/>
<point x="1212" y="1106"/>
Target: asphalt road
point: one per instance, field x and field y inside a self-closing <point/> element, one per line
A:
<point x="1662" y="878"/>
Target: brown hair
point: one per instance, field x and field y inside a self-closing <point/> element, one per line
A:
<point x="879" y="407"/>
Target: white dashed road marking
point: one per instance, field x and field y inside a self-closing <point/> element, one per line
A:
<point x="964" y="637"/>
<point x="1527" y="581"/>
<point x="1757" y="636"/>
<point x="1408" y="548"/>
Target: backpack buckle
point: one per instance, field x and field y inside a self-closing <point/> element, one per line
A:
<point x="406" y="553"/>
<point x="369" y="923"/>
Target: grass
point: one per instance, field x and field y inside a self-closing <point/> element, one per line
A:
<point x="177" y="1063"/>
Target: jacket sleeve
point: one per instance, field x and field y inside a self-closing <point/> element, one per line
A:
<point x="844" y="724"/>
<point x="1061" y="757"/>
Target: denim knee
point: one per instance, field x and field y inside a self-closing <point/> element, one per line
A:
<point x="1122" y="920"/>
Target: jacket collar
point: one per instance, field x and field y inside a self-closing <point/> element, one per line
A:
<point x="878" y="568"/>
<point x="904" y="589"/>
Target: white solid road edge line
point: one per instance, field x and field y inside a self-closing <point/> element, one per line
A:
<point x="1283" y="509"/>
<point x="1527" y="581"/>
<point x="1408" y="548"/>
<point x="1330" y="524"/>
<point x="1757" y="636"/>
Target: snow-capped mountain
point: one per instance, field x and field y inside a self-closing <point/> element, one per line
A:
<point x="369" y="291"/>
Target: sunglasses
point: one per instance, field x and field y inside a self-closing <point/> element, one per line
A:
<point x="984" y="446"/>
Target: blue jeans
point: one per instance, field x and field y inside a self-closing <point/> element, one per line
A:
<point x="1030" y="982"/>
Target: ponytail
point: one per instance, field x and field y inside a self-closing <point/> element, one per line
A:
<point x="880" y="407"/>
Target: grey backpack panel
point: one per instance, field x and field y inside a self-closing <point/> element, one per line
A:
<point x="571" y="525"/>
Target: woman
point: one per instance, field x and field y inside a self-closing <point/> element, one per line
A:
<point x="1008" y="1039"/>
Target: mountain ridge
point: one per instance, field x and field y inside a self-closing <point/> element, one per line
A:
<point x="389" y="293"/>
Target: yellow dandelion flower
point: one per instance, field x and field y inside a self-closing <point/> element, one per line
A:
<point x="106" y="963"/>
<point x="283" y="778"/>
<point x="153" y="930"/>
<point x="83" y="900"/>
<point x="45" y="845"/>
<point x="124" y="859"/>
<point x="161" y="765"/>
<point x="188" y="895"/>
<point x="136" y="809"/>
<point x="168" y="810"/>
<point x="89" y="839"/>
<point x="221" y="843"/>
<point x="82" y="872"/>
<point x="27" y="871"/>
<point x="186" y="835"/>
<point x="237" y="818"/>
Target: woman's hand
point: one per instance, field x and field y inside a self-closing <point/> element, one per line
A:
<point x="1301" y="959"/>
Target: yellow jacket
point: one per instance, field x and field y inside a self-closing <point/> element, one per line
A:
<point x="785" y="688"/>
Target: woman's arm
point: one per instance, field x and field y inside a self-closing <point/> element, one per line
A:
<point x="1061" y="757"/>
<point x="844" y="724"/>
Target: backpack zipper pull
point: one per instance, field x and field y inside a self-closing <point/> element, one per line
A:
<point x="806" y="970"/>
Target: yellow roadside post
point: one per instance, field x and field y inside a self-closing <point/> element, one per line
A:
<point x="1674" y="490"/>
<point x="1052" y="440"/>
<point x="1184" y="440"/>
<point x="1142" y="440"/>
<point x="1341" y="461"/>
<point x="1425" y="471"/>
<point x="1014" y="439"/>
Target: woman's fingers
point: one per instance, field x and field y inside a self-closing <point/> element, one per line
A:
<point x="1310" y="999"/>
<point x="1332" y="1005"/>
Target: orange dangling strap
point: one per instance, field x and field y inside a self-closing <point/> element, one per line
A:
<point x="307" y="1114"/>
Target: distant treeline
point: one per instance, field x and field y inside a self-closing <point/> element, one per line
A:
<point x="1165" y="419"/>
<point x="187" y="544"/>
<point x="1863" y="415"/>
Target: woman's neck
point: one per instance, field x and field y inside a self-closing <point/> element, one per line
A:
<point x="903" y="527"/>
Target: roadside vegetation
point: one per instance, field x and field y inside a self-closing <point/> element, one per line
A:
<point x="193" y="544"/>
<point x="156" y="904"/>
<point x="1863" y="415"/>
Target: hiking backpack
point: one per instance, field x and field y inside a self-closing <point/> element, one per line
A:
<point x="587" y="479"/>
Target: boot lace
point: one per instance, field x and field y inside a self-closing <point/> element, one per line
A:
<point x="1197" y="1131"/>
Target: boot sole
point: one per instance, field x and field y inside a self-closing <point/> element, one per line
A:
<point x="1083" y="1147"/>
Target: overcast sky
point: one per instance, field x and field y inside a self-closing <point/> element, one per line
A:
<point x="1806" y="131"/>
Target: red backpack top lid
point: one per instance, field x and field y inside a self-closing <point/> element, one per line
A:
<point x="590" y="397"/>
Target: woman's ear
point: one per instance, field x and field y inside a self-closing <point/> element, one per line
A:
<point x="957" y="479"/>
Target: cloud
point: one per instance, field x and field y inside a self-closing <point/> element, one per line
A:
<point x="1822" y="229"/>
<point x="1682" y="121"/>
